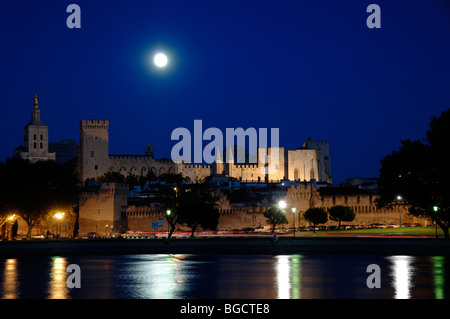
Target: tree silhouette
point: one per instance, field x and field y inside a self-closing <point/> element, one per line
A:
<point x="419" y="172"/>
<point x="316" y="216"/>
<point x="36" y="190"/>
<point x="275" y="216"/>
<point x="341" y="214"/>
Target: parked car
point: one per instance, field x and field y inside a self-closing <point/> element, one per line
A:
<point x="377" y="225"/>
<point x="92" y="235"/>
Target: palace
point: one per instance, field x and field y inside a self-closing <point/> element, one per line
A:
<point x="302" y="179"/>
<point x="309" y="162"/>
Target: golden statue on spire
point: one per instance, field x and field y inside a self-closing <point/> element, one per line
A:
<point x="35" y="100"/>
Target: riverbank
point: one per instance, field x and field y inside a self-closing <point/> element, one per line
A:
<point x="302" y="245"/>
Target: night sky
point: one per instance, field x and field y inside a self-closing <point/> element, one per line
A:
<point x="310" y="68"/>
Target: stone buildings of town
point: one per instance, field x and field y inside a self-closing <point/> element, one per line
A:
<point x="303" y="180"/>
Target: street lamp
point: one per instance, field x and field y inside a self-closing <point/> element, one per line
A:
<point x="11" y="220"/>
<point x="58" y="217"/>
<point x="168" y="212"/>
<point x="435" y="209"/>
<point x="282" y="204"/>
<point x="399" y="199"/>
<point x="293" y="209"/>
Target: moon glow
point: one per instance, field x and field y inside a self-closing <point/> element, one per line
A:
<point x="160" y="60"/>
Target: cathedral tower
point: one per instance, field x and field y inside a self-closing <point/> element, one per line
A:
<point x="36" y="137"/>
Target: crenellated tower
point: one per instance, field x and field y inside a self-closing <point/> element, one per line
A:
<point x="94" y="138"/>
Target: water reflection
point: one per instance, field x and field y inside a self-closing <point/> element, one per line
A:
<point x="156" y="276"/>
<point x="57" y="287"/>
<point x="288" y="276"/>
<point x="224" y="276"/>
<point x="438" y="276"/>
<point x="401" y="273"/>
<point x="10" y="282"/>
<point x="283" y="277"/>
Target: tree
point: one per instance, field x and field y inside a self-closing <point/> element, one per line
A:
<point x="35" y="190"/>
<point x="171" y="178"/>
<point x="419" y="172"/>
<point x="341" y="214"/>
<point x="170" y="202"/>
<point x="112" y="177"/>
<point x="316" y="216"/>
<point x="275" y="216"/>
<point x="76" y="227"/>
<point x="14" y="229"/>
<point x="197" y="208"/>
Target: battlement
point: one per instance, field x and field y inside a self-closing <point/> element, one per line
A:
<point x="246" y="165"/>
<point x="94" y="125"/>
<point x="196" y="166"/>
<point x="116" y="157"/>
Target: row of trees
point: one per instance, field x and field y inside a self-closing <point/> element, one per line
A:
<point x="192" y="205"/>
<point x="276" y="216"/>
<point x="135" y="180"/>
<point x="36" y="191"/>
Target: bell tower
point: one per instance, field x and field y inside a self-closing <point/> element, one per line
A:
<point x="36" y="137"/>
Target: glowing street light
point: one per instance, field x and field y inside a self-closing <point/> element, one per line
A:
<point x="435" y="209"/>
<point x="58" y="217"/>
<point x="399" y="199"/>
<point x="282" y="204"/>
<point x="168" y="212"/>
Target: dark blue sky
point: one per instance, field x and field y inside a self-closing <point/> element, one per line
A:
<point x="309" y="68"/>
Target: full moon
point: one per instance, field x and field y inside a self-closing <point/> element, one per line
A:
<point x="160" y="60"/>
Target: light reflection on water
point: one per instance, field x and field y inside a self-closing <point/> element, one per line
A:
<point x="402" y="271"/>
<point x="57" y="287"/>
<point x="225" y="277"/>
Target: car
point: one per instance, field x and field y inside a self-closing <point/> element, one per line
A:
<point x="92" y="235"/>
<point x="377" y="225"/>
<point x="39" y="237"/>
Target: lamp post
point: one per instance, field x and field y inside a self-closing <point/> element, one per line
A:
<point x="58" y="217"/>
<point x="168" y="212"/>
<point x="9" y="230"/>
<point x="293" y="209"/>
<point x="435" y="209"/>
<point x="399" y="198"/>
<point x="282" y="205"/>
